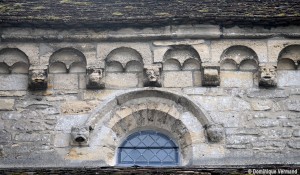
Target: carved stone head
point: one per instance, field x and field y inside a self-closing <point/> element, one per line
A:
<point x="152" y="76"/>
<point x="80" y="136"/>
<point x="267" y="76"/>
<point x="211" y="76"/>
<point x="215" y="133"/>
<point x="94" y="79"/>
<point x="38" y="79"/>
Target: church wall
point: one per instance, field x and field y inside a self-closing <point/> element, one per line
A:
<point x="260" y="122"/>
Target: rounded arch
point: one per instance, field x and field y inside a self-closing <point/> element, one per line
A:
<point x="67" y="56"/>
<point x="122" y="98"/>
<point x="123" y="55"/>
<point x="289" y="57"/>
<point x="181" y="53"/>
<point x="239" y="53"/>
<point x="229" y="64"/>
<point x="16" y="60"/>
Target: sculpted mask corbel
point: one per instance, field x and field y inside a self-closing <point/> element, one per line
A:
<point x="152" y="76"/>
<point x="38" y="79"/>
<point x="94" y="78"/>
<point x="80" y="136"/>
<point x="267" y="76"/>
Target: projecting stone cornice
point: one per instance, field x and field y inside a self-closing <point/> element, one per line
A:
<point x="140" y="34"/>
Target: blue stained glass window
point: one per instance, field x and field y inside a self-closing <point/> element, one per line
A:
<point x="148" y="148"/>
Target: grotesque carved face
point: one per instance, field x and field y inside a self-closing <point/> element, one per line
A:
<point x="79" y="135"/>
<point x="38" y="79"/>
<point x="38" y="76"/>
<point x="268" y="75"/>
<point x="94" y="79"/>
<point x="95" y="76"/>
<point x="152" y="75"/>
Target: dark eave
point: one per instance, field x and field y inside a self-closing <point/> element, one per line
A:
<point x="141" y="13"/>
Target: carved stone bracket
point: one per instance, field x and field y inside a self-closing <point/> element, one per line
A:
<point x="80" y="136"/>
<point x="211" y="76"/>
<point x="94" y="78"/>
<point x="38" y="79"/>
<point x="152" y="74"/>
<point x="268" y="76"/>
<point x="215" y="133"/>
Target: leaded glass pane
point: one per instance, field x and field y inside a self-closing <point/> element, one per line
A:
<point x="148" y="148"/>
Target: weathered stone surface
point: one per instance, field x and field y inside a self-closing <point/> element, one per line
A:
<point x="7" y="104"/>
<point x="263" y="93"/>
<point x="213" y="91"/>
<point x="293" y="105"/>
<point x="13" y="82"/>
<point x="75" y="107"/>
<point x="5" y="137"/>
<point x="288" y="78"/>
<point x="261" y="105"/>
<point x="62" y="140"/>
<point x="12" y="93"/>
<point x="121" y="80"/>
<point x="228" y="119"/>
<point x="265" y="122"/>
<point x="276" y="133"/>
<point x="294" y="144"/>
<point x="243" y="131"/>
<point x="65" y="81"/>
<point x="296" y="133"/>
<point x="178" y="79"/>
<point x="222" y="103"/>
<point x="269" y="143"/>
<point x="34" y="137"/>
<point x="240" y="139"/>
<point x="65" y="123"/>
<point x="215" y="133"/>
<point x="236" y="79"/>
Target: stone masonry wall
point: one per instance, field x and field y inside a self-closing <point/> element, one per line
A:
<point x="260" y="122"/>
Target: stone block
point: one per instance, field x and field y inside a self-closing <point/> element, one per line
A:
<point x="269" y="143"/>
<point x="75" y="107"/>
<point x="25" y="137"/>
<point x="13" y="82"/>
<point x="236" y="79"/>
<point x="228" y="119"/>
<point x="265" y="122"/>
<point x="65" y="81"/>
<point x="197" y="78"/>
<point x="243" y="131"/>
<point x="121" y="80"/>
<point x="240" y="139"/>
<point x="62" y="140"/>
<point x="7" y="104"/>
<point x="276" y="133"/>
<point x="293" y="105"/>
<point x="294" y="144"/>
<point x="97" y="95"/>
<point x="261" y="105"/>
<point x="5" y="137"/>
<point x="65" y="123"/>
<point x="288" y="78"/>
<point x="178" y="79"/>
<point x="265" y="93"/>
<point x="12" y="93"/>
<point x="296" y="133"/>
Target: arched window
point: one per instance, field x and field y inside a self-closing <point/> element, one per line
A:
<point x="148" y="148"/>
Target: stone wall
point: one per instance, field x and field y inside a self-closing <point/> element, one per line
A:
<point x="225" y="96"/>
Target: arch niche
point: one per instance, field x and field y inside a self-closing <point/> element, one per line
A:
<point x="172" y="114"/>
